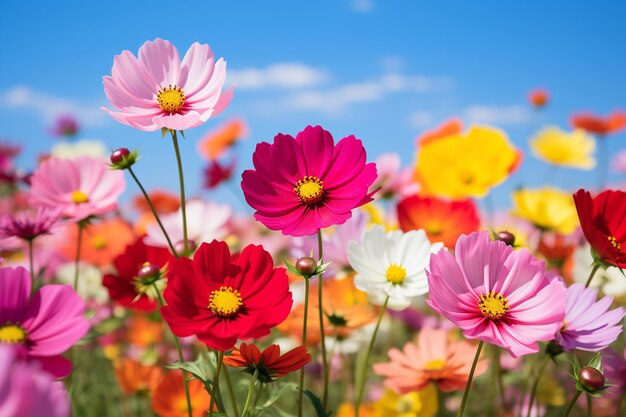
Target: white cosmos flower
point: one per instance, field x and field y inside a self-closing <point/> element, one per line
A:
<point x="391" y="265"/>
<point x="86" y="147"/>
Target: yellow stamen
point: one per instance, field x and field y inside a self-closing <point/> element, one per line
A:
<point x="395" y="274"/>
<point x="171" y="99"/>
<point x="78" y="197"/>
<point x="12" y="333"/>
<point x="435" y="365"/>
<point x="225" y="302"/>
<point x="615" y="243"/>
<point x="310" y="190"/>
<point x="493" y="305"/>
<point x="99" y="242"/>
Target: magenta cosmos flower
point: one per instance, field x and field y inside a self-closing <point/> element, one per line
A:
<point x="44" y="326"/>
<point x="496" y="294"/>
<point x="157" y="90"/>
<point x="302" y="185"/>
<point x="79" y="188"/>
<point x="27" y="225"/>
<point x="589" y="324"/>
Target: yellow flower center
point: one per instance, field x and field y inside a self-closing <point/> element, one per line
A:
<point x="225" y="302"/>
<point x="310" y="190"/>
<point x="493" y="305"/>
<point x="435" y="365"/>
<point x="12" y="333"/>
<point x="433" y="229"/>
<point x="396" y="274"/>
<point x="99" y="242"/>
<point x="615" y="243"/>
<point x="171" y="99"/>
<point x="78" y="197"/>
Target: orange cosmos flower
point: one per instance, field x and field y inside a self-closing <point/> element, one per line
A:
<point x="169" y="399"/>
<point x="599" y="125"/>
<point x="539" y="97"/>
<point x="435" y="359"/>
<point x="135" y="378"/>
<point x="268" y="364"/>
<point x="164" y="202"/>
<point x="558" y="250"/>
<point x="451" y="126"/>
<point x="443" y="221"/>
<point x="144" y="332"/>
<point x="101" y="242"/>
<point x="216" y="142"/>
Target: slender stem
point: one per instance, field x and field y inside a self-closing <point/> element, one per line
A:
<point x="250" y="391"/>
<point x="589" y="408"/>
<point x="181" y="183"/>
<point x="154" y="212"/>
<point x="469" y="380"/>
<point x="231" y="391"/>
<point x="216" y="381"/>
<point x="442" y="403"/>
<point x="79" y="242"/>
<point x="620" y="405"/>
<point x="498" y="371"/>
<point x="321" y="315"/>
<point x="30" y="265"/>
<point x="180" y="354"/>
<point x="593" y="272"/>
<point x="304" y="323"/>
<point x="571" y="404"/>
<point x="533" y="391"/>
<point x="258" y="395"/>
<point x="362" y="376"/>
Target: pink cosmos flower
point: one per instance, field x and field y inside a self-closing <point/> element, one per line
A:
<point x="28" y="225"/>
<point x="28" y="391"/>
<point x="65" y="126"/>
<point x="157" y="90"/>
<point x="615" y="370"/>
<point x="393" y="180"/>
<point x="496" y="294"/>
<point x="619" y="162"/>
<point x="588" y="324"/>
<point x="44" y="326"/>
<point x="302" y="185"/>
<point x="79" y="188"/>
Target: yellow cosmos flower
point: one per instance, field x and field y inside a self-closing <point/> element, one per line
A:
<point x="465" y="165"/>
<point x="561" y="148"/>
<point x="415" y="404"/>
<point x="547" y="208"/>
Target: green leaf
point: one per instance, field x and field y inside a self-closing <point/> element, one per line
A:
<point x="596" y="362"/>
<point x="317" y="404"/>
<point x="200" y="369"/>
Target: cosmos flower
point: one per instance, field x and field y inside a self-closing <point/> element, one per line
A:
<point x="465" y="165"/>
<point x="602" y="221"/>
<point x="450" y="127"/>
<point x="64" y="125"/>
<point x="560" y="148"/>
<point x="546" y="208"/>
<point x="302" y="185"/>
<point x="618" y="163"/>
<point x="588" y="324"/>
<point x="599" y="125"/>
<point x="608" y="281"/>
<point x="79" y="188"/>
<point x="434" y="359"/>
<point x="615" y="369"/>
<point x="157" y="90"/>
<point x="393" y="180"/>
<point x="496" y="294"/>
<point x="168" y="399"/>
<point x="90" y="278"/>
<point x="43" y="326"/>
<point x="391" y="265"/>
<point x="27" y="225"/>
<point x="215" y="173"/>
<point x="539" y="97"/>
<point x="72" y="150"/>
<point x="135" y="378"/>
<point x="442" y="220"/>
<point x="270" y="363"/>
<point x="246" y="297"/>
<point x="216" y="142"/>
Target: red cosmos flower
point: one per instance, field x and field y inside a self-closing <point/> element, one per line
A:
<point x="599" y="125"/>
<point x="125" y="286"/>
<point x="215" y="173"/>
<point x="539" y="97"/>
<point x="269" y="364"/>
<point x="604" y="226"/>
<point x="442" y="220"/>
<point x="221" y="300"/>
<point x="302" y="185"/>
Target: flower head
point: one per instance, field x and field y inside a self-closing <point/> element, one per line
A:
<point x="28" y="225"/>
<point x="539" y="97"/>
<point x="216" y="142"/>
<point x="391" y="265"/>
<point x="588" y="324"/>
<point x="450" y="127"/>
<point x="547" y="209"/>
<point x="599" y="125"/>
<point x="393" y="180"/>
<point x="79" y="188"/>
<point x="268" y="364"/>
<point x="302" y="185"/>
<point x="168" y="399"/>
<point x="156" y="90"/>
<point x="135" y="378"/>
<point x="220" y="300"/>
<point x="496" y="294"/>
<point x="556" y="147"/>
<point x="435" y="358"/>
<point x="216" y="173"/>
<point x="65" y="126"/>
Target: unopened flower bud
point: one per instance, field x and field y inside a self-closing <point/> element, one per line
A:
<point x="118" y="155"/>
<point x="148" y="270"/>
<point x="506" y="237"/>
<point x="591" y="378"/>
<point x="306" y="266"/>
<point x="180" y="247"/>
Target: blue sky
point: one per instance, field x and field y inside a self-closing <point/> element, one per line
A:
<point x="383" y="71"/>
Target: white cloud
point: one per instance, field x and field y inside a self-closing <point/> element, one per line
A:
<point x="362" y="6"/>
<point x="49" y="106"/>
<point x="421" y="119"/>
<point x="498" y="115"/>
<point x="284" y="75"/>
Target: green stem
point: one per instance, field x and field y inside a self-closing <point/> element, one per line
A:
<point x="593" y="272"/>
<point x="216" y="382"/>
<point x="571" y="404"/>
<point x="250" y="391"/>
<point x="469" y="380"/>
<point x="30" y="265"/>
<point x="498" y="371"/>
<point x="180" y="354"/>
<point x="362" y="376"/>
<point x="321" y="316"/>
<point x="304" y="323"/>
<point x="231" y="391"/>
<point x="442" y="403"/>
<point x="154" y="212"/>
<point x="533" y="391"/>
<point x="589" y="408"/>
<point x="79" y="243"/>
<point x="181" y="184"/>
